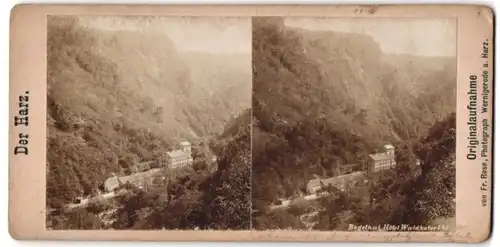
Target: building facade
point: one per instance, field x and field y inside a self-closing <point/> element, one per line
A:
<point x="313" y="186"/>
<point x="178" y="158"/>
<point x="140" y="180"/>
<point x="143" y="173"/>
<point x="382" y="161"/>
<point x="340" y="182"/>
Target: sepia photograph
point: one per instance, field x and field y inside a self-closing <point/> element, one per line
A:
<point x="148" y="123"/>
<point x="353" y="124"/>
<point x="280" y="123"/>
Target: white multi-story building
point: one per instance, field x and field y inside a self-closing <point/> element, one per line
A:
<point x="382" y="161"/>
<point x="144" y="175"/>
<point x="178" y="158"/>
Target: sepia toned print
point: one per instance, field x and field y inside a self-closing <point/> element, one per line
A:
<point x="133" y="123"/>
<point x="148" y="123"/>
<point x="354" y="124"/>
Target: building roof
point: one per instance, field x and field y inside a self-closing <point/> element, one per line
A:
<point x="176" y="153"/>
<point x="388" y="146"/>
<point x="380" y="156"/>
<point x="138" y="176"/>
<point x="341" y="179"/>
<point x="185" y="143"/>
<point x="314" y="183"/>
<point x="334" y="180"/>
<point x="111" y="182"/>
<point x="134" y="178"/>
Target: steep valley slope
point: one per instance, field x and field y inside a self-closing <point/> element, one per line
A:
<point x="116" y="98"/>
<point x="322" y="99"/>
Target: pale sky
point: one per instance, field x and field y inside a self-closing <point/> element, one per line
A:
<point x="208" y="34"/>
<point x="425" y="37"/>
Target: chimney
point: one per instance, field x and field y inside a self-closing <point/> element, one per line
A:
<point x="186" y="146"/>
<point x="389" y="149"/>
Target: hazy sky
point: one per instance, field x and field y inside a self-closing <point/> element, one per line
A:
<point x="208" y="34"/>
<point x="426" y="37"/>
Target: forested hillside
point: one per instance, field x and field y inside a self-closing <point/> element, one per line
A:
<point x="116" y="98"/>
<point x="402" y="196"/>
<point x="191" y="198"/>
<point x="200" y="200"/>
<point x="322" y="99"/>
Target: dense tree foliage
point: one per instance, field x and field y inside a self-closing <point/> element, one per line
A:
<point x="186" y="199"/>
<point x="118" y="98"/>
<point x="323" y="101"/>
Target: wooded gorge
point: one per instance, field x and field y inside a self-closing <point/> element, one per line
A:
<point x="323" y="99"/>
<point x="117" y="98"/>
<point x="303" y="104"/>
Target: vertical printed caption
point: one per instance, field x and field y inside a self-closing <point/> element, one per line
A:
<point x="478" y="108"/>
<point x="21" y="123"/>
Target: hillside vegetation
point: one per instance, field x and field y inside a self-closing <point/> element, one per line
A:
<point x="199" y="199"/>
<point x="322" y="99"/>
<point x="190" y="198"/>
<point x="402" y="196"/>
<point x="116" y="98"/>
